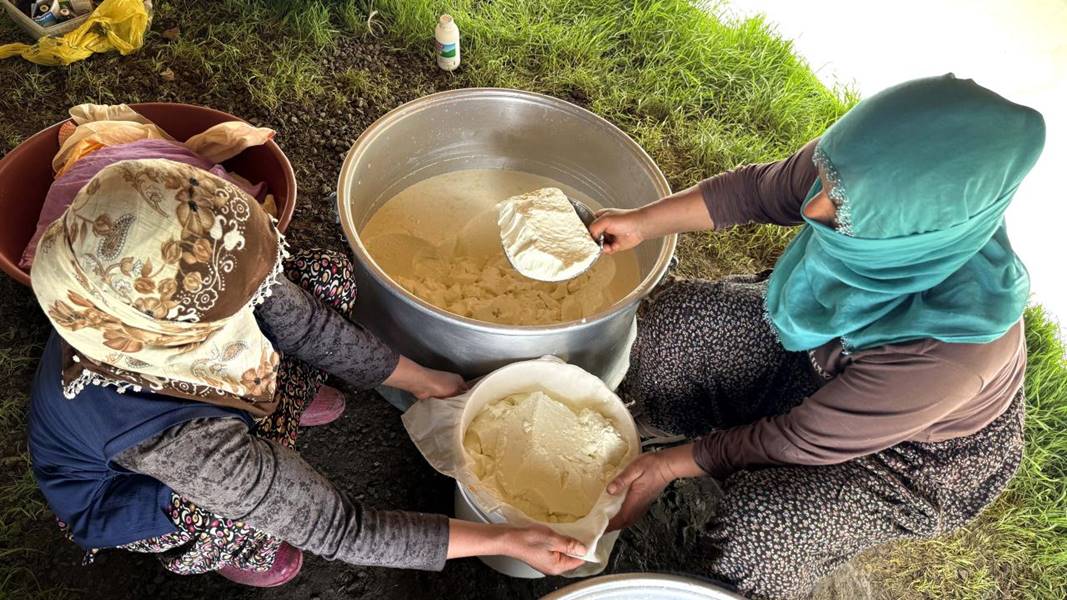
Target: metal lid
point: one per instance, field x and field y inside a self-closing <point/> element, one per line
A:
<point x="643" y="586"/>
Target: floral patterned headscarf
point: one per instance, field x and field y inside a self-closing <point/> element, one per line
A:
<point x="150" y="278"/>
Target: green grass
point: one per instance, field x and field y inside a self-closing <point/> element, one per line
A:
<point x="292" y="75"/>
<point x="21" y="506"/>
<point x="701" y="93"/>
<point x="712" y="93"/>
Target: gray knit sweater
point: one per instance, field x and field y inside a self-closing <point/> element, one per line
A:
<point x="218" y="464"/>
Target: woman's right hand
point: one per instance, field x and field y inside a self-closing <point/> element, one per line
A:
<point x="622" y="229"/>
<point x="543" y="549"/>
<point x="644" y="479"/>
<point x="536" y="545"/>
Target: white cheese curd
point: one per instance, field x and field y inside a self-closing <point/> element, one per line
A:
<point x="440" y="240"/>
<point x="543" y="236"/>
<point x="543" y="457"/>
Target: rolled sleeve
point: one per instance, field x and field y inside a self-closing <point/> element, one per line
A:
<point x="765" y="193"/>
<point x="219" y="465"/>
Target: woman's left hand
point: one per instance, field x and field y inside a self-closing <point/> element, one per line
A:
<point x="645" y="479"/>
<point x="642" y="482"/>
<point x="424" y="383"/>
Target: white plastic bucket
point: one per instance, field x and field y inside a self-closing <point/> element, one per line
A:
<point x="467" y="510"/>
<point x="437" y="427"/>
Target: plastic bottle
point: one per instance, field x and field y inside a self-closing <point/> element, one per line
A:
<point x="446" y="38"/>
<point x="46" y="15"/>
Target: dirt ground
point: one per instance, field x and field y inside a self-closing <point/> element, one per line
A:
<point x="366" y="452"/>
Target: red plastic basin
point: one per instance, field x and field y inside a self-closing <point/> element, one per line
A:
<point x="26" y="174"/>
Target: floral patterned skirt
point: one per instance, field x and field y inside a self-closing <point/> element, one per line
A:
<point x="705" y="359"/>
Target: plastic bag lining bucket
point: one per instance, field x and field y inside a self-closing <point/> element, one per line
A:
<point x="438" y="429"/>
<point x="26" y="174"/>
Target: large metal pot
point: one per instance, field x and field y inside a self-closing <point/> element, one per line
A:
<point x="505" y="129"/>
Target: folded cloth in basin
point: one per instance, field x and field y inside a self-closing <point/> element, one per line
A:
<point x="62" y="192"/>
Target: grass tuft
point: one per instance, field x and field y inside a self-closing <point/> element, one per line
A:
<point x="310" y="21"/>
<point x="291" y="76"/>
<point x="359" y="18"/>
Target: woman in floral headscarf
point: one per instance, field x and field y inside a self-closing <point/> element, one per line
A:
<point x="871" y="388"/>
<point x="165" y="409"/>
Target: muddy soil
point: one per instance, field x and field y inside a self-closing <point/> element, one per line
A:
<point x="366" y="452"/>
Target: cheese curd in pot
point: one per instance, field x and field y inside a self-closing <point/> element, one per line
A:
<point x="440" y="240"/>
<point x="543" y="237"/>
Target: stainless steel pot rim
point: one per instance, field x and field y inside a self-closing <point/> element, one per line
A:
<point x="347" y="172"/>
<point x="646" y="583"/>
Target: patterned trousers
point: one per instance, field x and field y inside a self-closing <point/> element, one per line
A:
<point x="705" y="358"/>
<point x="206" y="542"/>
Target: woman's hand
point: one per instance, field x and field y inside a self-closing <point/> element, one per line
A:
<point x="438" y="384"/>
<point x="645" y="478"/>
<point x="622" y="229"/>
<point x="424" y="383"/>
<point x="544" y="549"/>
<point x="642" y="482"/>
<point x="537" y="545"/>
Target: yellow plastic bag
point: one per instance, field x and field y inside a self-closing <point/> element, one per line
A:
<point x="97" y="126"/>
<point x="114" y="25"/>
<point x="85" y="113"/>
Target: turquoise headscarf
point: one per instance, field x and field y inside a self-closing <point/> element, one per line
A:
<point x="921" y="173"/>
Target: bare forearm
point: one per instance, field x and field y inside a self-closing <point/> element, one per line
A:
<point x="680" y="461"/>
<point x="406" y="375"/>
<point x="422" y="382"/>
<point x="678" y="213"/>
<point x="537" y="546"/>
<point x="474" y="539"/>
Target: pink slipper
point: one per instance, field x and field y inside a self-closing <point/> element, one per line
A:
<point x="327" y="406"/>
<point x="287" y="565"/>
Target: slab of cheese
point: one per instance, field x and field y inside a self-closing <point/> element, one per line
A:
<point x="543" y="457"/>
<point x="543" y="237"/>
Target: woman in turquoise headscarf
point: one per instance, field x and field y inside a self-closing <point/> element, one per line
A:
<point x="870" y="387"/>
